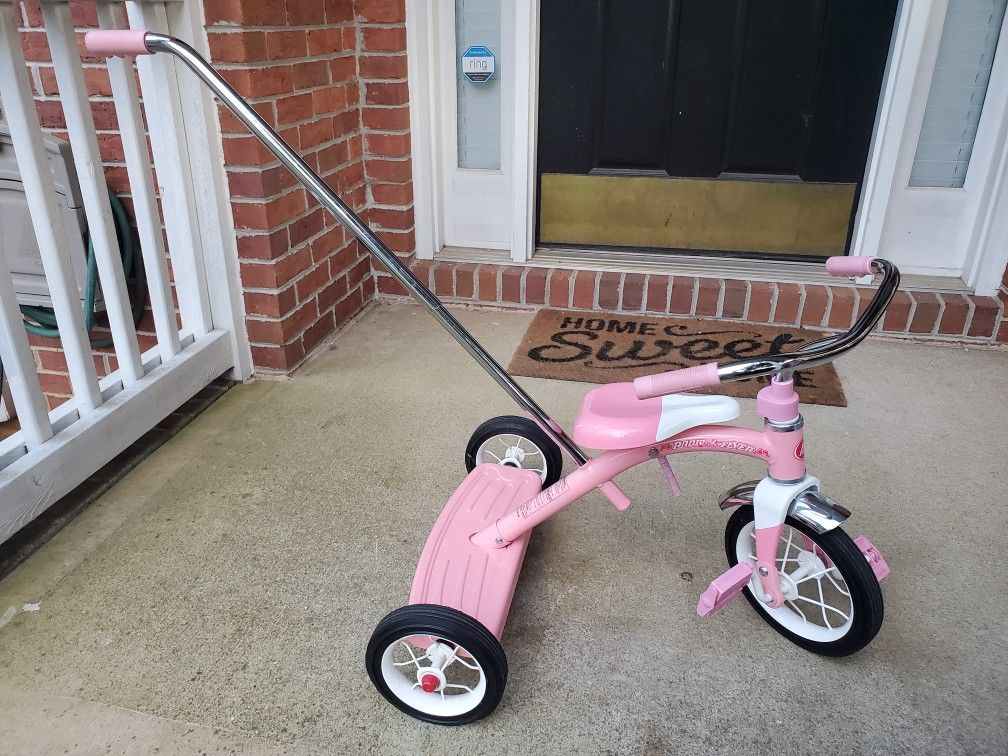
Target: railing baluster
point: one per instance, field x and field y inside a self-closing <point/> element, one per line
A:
<point x="19" y="366"/>
<point x="127" y="104"/>
<point x="160" y="90"/>
<point x="26" y="135"/>
<point x="218" y="247"/>
<point x="94" y="190"/>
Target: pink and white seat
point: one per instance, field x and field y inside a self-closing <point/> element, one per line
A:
<point x="612" y="417"/>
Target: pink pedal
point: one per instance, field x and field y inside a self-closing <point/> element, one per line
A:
<point x="875" y="559"/>
<point x="456" y="573"/>
<point x="723" y="589"/>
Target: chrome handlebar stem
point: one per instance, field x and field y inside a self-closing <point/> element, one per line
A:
<point x="823" y="350"/>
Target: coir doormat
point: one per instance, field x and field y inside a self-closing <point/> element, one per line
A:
<point x="575" y="346"/>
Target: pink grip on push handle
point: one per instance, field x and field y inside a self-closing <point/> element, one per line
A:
<point x="852" y="267"/>
<point x="701" y="376"/>
<point x="117" y="42"/>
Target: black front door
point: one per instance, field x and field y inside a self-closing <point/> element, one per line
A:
<point x="736" y="126"/>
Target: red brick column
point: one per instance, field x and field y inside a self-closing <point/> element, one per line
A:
<point x="385" y="120"/>
<point x="296" y="62"/>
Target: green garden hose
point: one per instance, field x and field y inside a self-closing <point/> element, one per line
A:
<point x="41" y="321"/>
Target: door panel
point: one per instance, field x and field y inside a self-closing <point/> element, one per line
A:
<point x="634" y="92"/>
<point x="701" y="94"/>
<point x="777" y="47"/>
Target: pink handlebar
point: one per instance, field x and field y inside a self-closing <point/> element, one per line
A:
<point x="674" y="381"/>
<point x="117" y="42"/>
<point x="850" y="266"/>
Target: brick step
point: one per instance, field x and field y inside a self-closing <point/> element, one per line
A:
<point x="918" y="314"/>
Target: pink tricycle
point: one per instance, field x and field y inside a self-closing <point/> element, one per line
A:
<point x="439" y="658"/>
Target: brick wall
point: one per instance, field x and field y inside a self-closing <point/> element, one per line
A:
<point x="913" y="313"/>
<point x="330" y="76"/>
<point x="296" y="63"/>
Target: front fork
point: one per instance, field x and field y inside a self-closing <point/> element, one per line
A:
<point x="772" y="500"/>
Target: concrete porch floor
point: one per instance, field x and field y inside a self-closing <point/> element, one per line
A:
<point x="220" y="597"/>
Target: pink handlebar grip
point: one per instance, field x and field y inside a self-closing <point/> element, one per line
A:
<point x="674" y="381"/>
<point x="850" y="266"/>
<point x="117" y="42"/>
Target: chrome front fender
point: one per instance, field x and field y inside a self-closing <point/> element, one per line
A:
<point x="812" y="507"/>
<point x="738" y="495"/>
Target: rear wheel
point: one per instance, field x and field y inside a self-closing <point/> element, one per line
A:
<point x="833" y="603"/>
<point x="437" y="664"/>
<point x="516" y="442"/>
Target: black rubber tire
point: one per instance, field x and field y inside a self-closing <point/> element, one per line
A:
<point x="517" y="426"/>
<point x="451" y="625"/>
<point x="866" y="595"/>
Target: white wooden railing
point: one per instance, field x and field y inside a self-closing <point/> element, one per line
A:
<point x="56" y="450"/>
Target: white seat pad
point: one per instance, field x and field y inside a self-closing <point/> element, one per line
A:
<point x="682" y="411"/>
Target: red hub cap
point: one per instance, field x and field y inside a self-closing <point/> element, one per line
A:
<point x="429" y="683"/>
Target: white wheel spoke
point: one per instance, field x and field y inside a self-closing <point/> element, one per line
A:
<point x="795" y="607"/>
<point x="453" y="657"/>
<point x="466" y="664"/>
<point x="813" y="576"/>
<point x="490" y="453"/>
<point x="822" y="599"/>
<point x="415" y="660"/>
<point x="787" y="546"/>
<point x="829" y="576"/>
<point x="824" y="606"/>
<point x="466" y="688"/>
<point x="413" y="656"/>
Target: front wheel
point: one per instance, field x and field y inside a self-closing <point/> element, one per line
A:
<point x="832" y="601"/>
<point x="437" y="664"/>
<point x="516" y="442"/>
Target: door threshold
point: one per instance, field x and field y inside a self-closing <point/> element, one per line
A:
<point x="671" y="264"/>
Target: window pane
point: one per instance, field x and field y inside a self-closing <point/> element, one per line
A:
<point x="478" y="22"/>
<point x="958" y="87"/>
